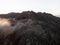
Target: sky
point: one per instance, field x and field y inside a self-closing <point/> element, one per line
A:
<point x="49" y="6"/>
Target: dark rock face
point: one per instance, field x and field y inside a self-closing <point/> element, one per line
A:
<point x="33" y="29"/>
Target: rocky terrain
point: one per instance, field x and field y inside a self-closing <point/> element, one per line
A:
<point x="31" y="28"/>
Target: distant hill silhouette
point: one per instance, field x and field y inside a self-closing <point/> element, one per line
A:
<point x="31" y="28"/>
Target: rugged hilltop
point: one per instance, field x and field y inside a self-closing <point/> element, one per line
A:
<point x="31" y="28"/>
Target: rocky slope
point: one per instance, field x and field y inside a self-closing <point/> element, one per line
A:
<point x="30" y="28"/>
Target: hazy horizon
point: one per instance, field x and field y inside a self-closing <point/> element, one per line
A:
<point x="49" y="6"/>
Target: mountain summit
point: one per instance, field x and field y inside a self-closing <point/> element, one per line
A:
<point x="31" y="28"/>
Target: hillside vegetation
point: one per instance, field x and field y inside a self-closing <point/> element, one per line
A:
<point x="31" y="28"/>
